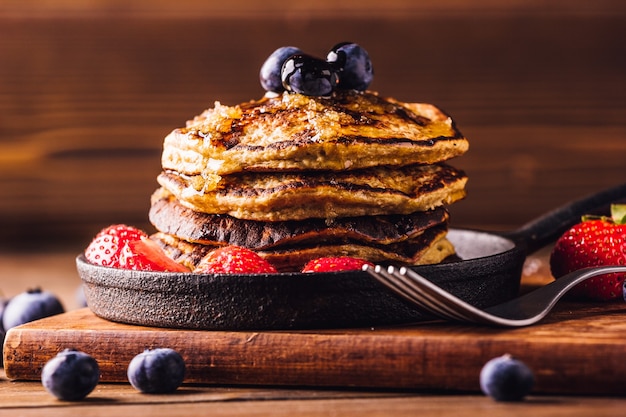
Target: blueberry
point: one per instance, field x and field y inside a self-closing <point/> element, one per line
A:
<point x="271" y="68"/>
<point x="308" y="75"/>
<point x="506" y="379"/>
<point x="29" y="306"/>
<point x="156" y="371"/>
<point x="353" y="65"/>
<point x="71" y="375"/>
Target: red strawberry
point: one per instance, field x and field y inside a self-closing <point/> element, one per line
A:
<point x="593" y="242"/>
<point x="147" y="255"/>
<point x="121" y="246"/>
<point x="339" y="263"/>
<point x="106" y="247"/>
<point x="234" y="260"/>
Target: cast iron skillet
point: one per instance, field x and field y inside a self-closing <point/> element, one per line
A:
<point x="488" y="273"/>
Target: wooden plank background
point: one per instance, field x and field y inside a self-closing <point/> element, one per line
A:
<point x="89" y="89"/>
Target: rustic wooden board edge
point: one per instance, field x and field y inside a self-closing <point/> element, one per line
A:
<point x="580" y="350"/>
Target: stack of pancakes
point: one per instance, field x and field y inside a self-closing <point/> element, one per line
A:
<point x="294" y="178"/>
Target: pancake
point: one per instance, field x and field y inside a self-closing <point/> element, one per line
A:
<point x="295" y="178"/>
<point x="169" y="216"/>
<point x="428" y="248"/>
<point x="296" y="196"/>
<point x="293" y="132"/>
<point x="432" y="248"/>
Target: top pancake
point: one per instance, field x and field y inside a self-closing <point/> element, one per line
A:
<point x="293" y="132"/>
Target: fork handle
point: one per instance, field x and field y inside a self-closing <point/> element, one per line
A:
<point x="543" y="299"/>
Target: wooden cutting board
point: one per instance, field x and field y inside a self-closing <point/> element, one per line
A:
<point x="579" y="348"/>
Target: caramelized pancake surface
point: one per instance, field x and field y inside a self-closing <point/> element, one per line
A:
<point x="432" y="247"/>
<point x="171" y="217"/>
<point x="428" y="248"/>
<point x="349" y="130"/>
<point x="295" y="177"/>
<point x="298" y="196"/>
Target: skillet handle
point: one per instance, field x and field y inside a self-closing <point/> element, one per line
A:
<point x="547" y="228"/>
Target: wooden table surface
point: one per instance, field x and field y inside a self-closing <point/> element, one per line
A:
<point x="88" y="90"/>
<point x="26" y="398"/>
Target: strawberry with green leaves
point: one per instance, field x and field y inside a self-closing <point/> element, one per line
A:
<point x="595" y="241"/>
<point x="234" y="260"/>
<point x="122" y="246"/>
<point x="331" y="264"/>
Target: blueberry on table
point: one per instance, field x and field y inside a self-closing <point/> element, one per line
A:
<point x="271" y="68"/>
<point x="29" y="306"/>
<point x="156" y="371"/>
<point x="506" y="379"/>
<point x="310" y="76"/>
<point x="353" y="64"/>
<point x="71" y="375"/>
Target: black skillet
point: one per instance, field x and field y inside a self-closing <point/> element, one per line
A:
<point x="488" y="273"/>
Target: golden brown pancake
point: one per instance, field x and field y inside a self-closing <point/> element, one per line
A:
<point x="349" y="130"/>
<point x="427" y="248"/>
<point x="171" y="217"/>
<point x="296" y="196"/>
<point x="297" y="178"/>
<point x="432" y="247"/>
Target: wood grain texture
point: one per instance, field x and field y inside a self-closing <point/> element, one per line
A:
<point x="89" y="90"/>
<point x="30" y="399"/>
<point x="252" y="9"/>
<point x="579" y="349"/>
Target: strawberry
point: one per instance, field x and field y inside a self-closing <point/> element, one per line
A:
<point x="233" y="260"/>
<point x="147" y="255"/>
<point x="339" y="263"/>
<point x="593" y="242"/>
<point x="106" y="247"/>
<point x="121" y="246"/>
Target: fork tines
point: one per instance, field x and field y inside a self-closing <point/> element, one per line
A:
<point x="423" y="293"/>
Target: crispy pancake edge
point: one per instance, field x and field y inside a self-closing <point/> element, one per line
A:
<point x="436" y="250"/>
<point x="281" y="197"/>
<point x="169" y="216"/>
<point x="294" y="132"/>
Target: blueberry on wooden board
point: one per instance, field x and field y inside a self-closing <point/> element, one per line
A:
<point x="156" y="371"/>
<point x="71" y="375"/>
<point x="506" y="379"/>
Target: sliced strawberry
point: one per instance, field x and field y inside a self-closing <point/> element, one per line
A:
<point x="593" y="242"/>
<point x="121" y="246"/>
<point x="105" y="249"/>
<point x="234" y="260"/>
<point x="146" y="255"/>
<point x="330" y="264"/>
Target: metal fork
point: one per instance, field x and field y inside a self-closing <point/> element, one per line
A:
<point x="522" y="311"/>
